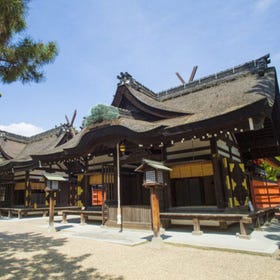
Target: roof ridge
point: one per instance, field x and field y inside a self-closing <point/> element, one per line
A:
<point x="61" y="127"/>
<point x="13" y="136"/>
<point x="254" y="66"/>
<point x="28" y="139"/>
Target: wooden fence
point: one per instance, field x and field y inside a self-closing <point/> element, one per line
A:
<point x="131" y="214"/>
<point x="265" y="193"/>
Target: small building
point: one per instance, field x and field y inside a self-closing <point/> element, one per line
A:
<point x="21" y="177"/>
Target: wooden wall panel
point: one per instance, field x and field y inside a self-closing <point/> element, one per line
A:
<point x="95" y="179"/>
<point x="194" y="169"/>
<point x="19" y="186"/>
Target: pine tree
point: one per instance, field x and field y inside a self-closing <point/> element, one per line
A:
<point x="20" y="58"/>
<point x="101" y="113"/>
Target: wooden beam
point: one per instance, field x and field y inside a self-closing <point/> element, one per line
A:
<point x="180" y="78"/>
<point x="193" y="73"/>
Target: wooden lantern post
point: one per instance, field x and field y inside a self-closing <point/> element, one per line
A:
<point x="153" y="179"/>
<point x="155" y="210"/>
<point x="51" y="209"/>
<point x="51" y="180"/>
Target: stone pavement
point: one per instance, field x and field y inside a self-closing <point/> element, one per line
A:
<point x="265" y="241"/>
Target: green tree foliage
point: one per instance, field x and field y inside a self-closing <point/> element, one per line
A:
<point x="271" y="172"/>
<point x="21" y="58"/>
<point x="101" y="113"/>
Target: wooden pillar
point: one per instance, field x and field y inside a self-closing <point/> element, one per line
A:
<point x="82" y="219"/>
<point x="196" y="227"/>
<point x="64" y="218"/>
<point x="119" y="215"/>
<point x="155" y="211"/>
<point x="114" y="191"/>
<point x="243" y="232"/>
<point x="103" y="196"/>
<point x="167" y="196"/>
<point x="218" y="178"/>
<point x="51" y="210"/>
<point x="27" y="202"/>
<point x="12" y="194"/>
<point x="19" y="214"/>
<point x="87" y="196"/>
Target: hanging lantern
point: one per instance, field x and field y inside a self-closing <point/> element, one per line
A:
<point x="122" y="148"/>
<point x="153" y="173"/>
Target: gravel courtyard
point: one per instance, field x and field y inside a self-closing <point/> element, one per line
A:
<point x="29" y="251"/>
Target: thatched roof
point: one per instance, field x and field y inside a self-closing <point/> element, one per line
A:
<point x="222" y="101"/>
<point x="102" y="135"/>
<point x="10" y="146"/>
<point x="17" y="149"/>
<point x="209" y="97"/>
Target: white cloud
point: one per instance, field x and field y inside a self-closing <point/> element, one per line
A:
<point x="263" y="5"/>
<point x="24" y="129"/>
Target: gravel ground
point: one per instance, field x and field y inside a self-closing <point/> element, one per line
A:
<point x="29" y="251"/>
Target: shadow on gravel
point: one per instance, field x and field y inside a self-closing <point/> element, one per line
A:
<point x="45" y="261"/>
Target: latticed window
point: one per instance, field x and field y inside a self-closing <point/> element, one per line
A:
<point x="150" y="176"/>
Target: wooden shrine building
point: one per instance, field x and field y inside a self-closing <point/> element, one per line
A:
<point x="21" y="177"/>
<point x="205" y="131"/>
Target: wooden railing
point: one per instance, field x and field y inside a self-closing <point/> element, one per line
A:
<point x="132" y="213"/>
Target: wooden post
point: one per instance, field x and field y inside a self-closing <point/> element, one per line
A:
<point x="64" y="218"/>
<point x="155" y="211"/>
<point x="103" y="198"/>
<point x="153" y="179"/>
<point x="243" y="232"/>
<point x="196" y="227"/>
<point x="87" y="196"/>
<point x="83" y="220"/>
<point x="217" y="174"/>
<point x="51" y="211"/>
<point x="19" y="214"/>
<point x="27" y="202"/>
<point x="119" y="215"/>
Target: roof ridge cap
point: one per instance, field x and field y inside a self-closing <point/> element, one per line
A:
<point x="51" y="131"/>
<point x="252" y="66"/>
<point x="13" y="136"/>
<point x="33" y="138"/>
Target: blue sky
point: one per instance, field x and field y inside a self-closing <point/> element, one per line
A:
<point x="151" y="40"/>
